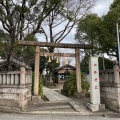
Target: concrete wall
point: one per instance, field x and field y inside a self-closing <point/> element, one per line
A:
<point x="110" y="88"/>
<point x="15" y="89"/>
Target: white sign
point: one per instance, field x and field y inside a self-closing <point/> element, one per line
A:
<point x="94" y="80"/>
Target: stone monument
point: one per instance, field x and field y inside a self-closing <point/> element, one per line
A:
<point x="94" y="104"/>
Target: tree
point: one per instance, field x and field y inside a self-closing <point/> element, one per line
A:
<point x="100" y="31"/>
<point x="4" y="43"/>
<point x="22" y="17"/>
<point x="87" y="31"/>
<point x="61" y="21"/>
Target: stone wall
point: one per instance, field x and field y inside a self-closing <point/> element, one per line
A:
<point x="15" y="89"/>
<point x="110" y="88"/>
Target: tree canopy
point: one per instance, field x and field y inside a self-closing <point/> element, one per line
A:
<point x="100" y="31"/>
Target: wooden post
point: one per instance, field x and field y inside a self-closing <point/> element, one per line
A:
<point x="36" y="73"/>
<point x="78" y="71"/>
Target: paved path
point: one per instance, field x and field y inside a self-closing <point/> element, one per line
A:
<point x="53" y="95"/>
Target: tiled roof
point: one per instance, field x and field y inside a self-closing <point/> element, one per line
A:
<point x="65" y="66"/>
<point x="14" y="62"/>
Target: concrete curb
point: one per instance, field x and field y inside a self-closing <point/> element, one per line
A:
<point x="61" y="113"/>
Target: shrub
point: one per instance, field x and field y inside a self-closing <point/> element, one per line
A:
<point x="41" y="87"/>
<point x="71" y="85"/>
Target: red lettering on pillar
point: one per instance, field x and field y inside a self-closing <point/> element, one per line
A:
<point x="95" y="72"/>
<point x="95" y="65"/>
<point x="96" y="87"/>
<point x="95" y="79"/>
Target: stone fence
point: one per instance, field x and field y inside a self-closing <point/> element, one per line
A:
<point x="15" y="89"/>
<point x="110" y="87"/>
<point x="13" y="78"/>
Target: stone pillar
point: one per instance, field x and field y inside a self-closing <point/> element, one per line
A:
<point x="78" y="71"/>
<point x="22" y="74"/>
<point x="94" y="80"/>
<point x="94" y="104"/>
<point x="36" y="71"/>
<point x="116" y="72"/>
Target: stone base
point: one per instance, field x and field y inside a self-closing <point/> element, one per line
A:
<point x="14" y="98"/>
<point x="96" y="107"/>
<point x="36" y="98"/>
<point x="79" y="95"/>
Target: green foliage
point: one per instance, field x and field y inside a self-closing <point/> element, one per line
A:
<point x="87" y="31"/>
<point x="71" y="86"/>
<point x="115" y="4"/>
<point x="41" y="87"/>
<point x="85" y="86"/>
<point x="85" y="64"/>
<point x="108" y="63"/>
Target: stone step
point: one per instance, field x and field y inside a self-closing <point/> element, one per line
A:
<point x="55" y="107"/>
<point x="48" y="103"/>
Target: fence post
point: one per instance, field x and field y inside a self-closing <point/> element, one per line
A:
<point x="22" y="74"/>
<point x="29" y="70"/>
<point x="116" y="72"/>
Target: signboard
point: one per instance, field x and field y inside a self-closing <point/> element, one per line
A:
<point x="94" y="80"/>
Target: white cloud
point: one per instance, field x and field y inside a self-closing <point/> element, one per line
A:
<point x="101" y="7"/>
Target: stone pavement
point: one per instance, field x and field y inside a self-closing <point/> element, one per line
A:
<point x="53" y="95"/>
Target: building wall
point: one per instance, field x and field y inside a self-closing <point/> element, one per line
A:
<point x="62" y="71"/>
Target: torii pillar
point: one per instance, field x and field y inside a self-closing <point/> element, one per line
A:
<point x="78" y="71"/>
<point x="36" y="73"/>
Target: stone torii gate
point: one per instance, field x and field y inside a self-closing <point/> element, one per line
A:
<point x="58" y="45"/>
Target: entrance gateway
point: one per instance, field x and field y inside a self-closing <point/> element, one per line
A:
<point x="57" y="45"/>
